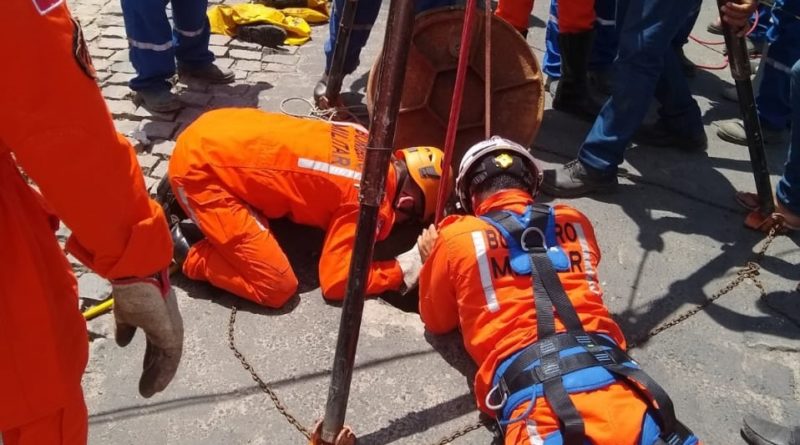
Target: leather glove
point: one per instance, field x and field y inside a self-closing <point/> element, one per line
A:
<point x="410" y="264"/>
<point x="150" y="304"/>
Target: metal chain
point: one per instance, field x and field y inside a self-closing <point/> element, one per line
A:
<point x="264" y="387"/>
<point x="462" y="432"/>
<point x="750" y="270"/>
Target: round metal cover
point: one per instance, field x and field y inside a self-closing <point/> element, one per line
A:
<point x="516" y="84"/>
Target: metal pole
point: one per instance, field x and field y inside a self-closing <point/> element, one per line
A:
<point x="740" y="70"/>
<point x="336" y="71"/>
<point x="487" y="68"/>
<point x="455" y="106"/>
<point x="373" y="182"/>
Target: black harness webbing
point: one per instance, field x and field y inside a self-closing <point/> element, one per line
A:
<point x="551" y="300"/>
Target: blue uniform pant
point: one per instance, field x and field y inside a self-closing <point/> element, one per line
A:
<point x="366" y="14"/>
<point x="646" y="66"/>
<point x="788" y="190"/>
<point x="155" y="44"/>
<point x="774" y="107"/>
<point x="606" y="38"/>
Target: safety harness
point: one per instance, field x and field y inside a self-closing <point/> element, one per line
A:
<point x="546" y="364"/>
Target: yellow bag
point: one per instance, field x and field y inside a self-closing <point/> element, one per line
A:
<point x="224" y="19"/>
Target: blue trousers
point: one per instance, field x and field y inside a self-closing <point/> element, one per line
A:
<point x="646" y="67"/>
<point x="774" y="107"/>
<point x="788" y="189"/>
<point x="606" y="38"/>
<point x="366" y="14"/>
<point x="155" y="44"/>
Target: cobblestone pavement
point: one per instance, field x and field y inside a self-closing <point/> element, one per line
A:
<point x="667" y="243"/>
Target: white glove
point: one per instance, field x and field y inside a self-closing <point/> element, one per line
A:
<point x="410" y="264"/>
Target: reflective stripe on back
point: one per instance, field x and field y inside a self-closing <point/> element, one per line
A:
<point x="483" y="269"/>
<point x="533" y="434"/>
<point x="325" y="167"/>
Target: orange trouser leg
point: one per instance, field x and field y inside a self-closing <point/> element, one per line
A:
<point x="575" y="16"/>
<point x="239" y="253"/>
<point x="515" y="12"/>
<point x="67" y="426"/>
<point x="612" y="416"/>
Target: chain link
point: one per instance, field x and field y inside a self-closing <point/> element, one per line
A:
<point x="462" y="432"/>
<point x="264" y="387"/>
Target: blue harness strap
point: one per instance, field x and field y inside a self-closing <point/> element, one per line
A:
<point x="555" y="357"/>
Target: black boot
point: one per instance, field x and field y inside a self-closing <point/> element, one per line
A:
<point x="165" y="197"/>
<point x="319" y="89"/>
<point x="575" y="179"/>
<point x="756" y="431"/>
<point x="185" y="234"/>
<point x="572" y="93"/>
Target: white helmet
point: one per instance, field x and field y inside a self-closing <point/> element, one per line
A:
<point x="477" y="167"/>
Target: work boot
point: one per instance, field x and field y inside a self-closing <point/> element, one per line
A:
<point x="715" y="27"/>
<point x="262" y="34"/>
<point x="158" y="101"/>
<point x="166" y="198"/>
<point x="572" y="92"/>
<point x="600" y="82"/>
<point x="210" y="73"/>
<point x="689" y="68"/>
<point x="185" y="234"/>
<point x="660" y="135"/>
<point x="733" y="132"/>
<point x="756" y="431"/>
<point x="575" y="179"/>
<point x="319" y="88"/>
<point x="280" y="4"/>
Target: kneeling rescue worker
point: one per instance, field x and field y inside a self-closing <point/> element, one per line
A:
<point x="54" y="124"/>
<point x="520" y="281"/>
<point x="233" y="169"/>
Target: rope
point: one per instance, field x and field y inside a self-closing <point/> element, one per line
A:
<point x="708" y="44"/>
<point x="350" y="113"/>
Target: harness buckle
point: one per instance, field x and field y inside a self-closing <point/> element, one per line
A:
<point x="533" y="245"/>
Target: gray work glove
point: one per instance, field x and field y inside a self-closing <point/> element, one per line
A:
<point x="410" y="264"/>
<point x="150" y="304"/>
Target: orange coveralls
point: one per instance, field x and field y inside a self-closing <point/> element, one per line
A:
<point x="497" y="315"/>
<point x="573" y="15"/>
<point x="55" y="124"/>
<point x="233" y="169"/>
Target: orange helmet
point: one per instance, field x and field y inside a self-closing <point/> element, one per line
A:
<point x="424" y="165"/>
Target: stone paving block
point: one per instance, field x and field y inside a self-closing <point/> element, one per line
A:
<point x="63" y="232"/>
<point x="195" y="98"/>
<point x="247" y="65"/>
<point x="769" y="378"/>
<point x="111" y="43"/>
<point x="101" y="64"/>
<point x="160" y="171"/>
<point x="158" y="129"/>
<point x="115" y="31"/>
<point x="224" y="63"/>
<point x="113" y="7"/>
<point x="100" y="53"/>
<point x="219" y="39"/>
<point x="123" y="67"/>
<point x="120" y="79"/>
<point x="144" y="113"/>
<point x="189" y="114"/>
<point x="87" y="12"/>
<point x="111" y="20"/>
<point x="116" y="92"/>
<point x="261" y="77"/>
<point x="241" y="44"/>
<point x="90" y="33"/>
<point x="101" y="76"/>
<point x="245" y="54"/>
<point x="146" y="162"/>
<point x="122" y="55"/>
<point x="240" y="75"/>
<point x="151" y="184"/>
<point x="163" y="148"/>
<point x="121" y="108"/>
<point x="284" y="59"/>
<point x="218" y="51"/>
<point x="280" y="68"/>
<point x="93" y="287"/>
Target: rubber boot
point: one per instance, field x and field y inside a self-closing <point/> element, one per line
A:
<point x="572" y="93"/>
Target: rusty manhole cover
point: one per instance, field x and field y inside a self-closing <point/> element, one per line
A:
<point x="516" y="84"/>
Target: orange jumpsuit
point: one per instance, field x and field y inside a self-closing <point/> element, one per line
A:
<point x="232" y="169"/>
<point x="54" y="124"/>
<point x="573" y="15"/>
<point x="467" y="283"/>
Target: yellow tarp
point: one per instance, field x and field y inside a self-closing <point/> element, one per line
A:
<point x="225" y="19"/>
